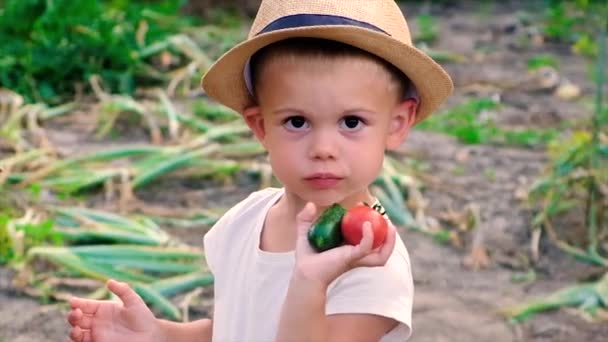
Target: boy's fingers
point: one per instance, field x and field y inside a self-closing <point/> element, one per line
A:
<point x="74" y="317"/>
<point x="391" y="239"/>
<point x="381" y="256"/>
<point x="389" y="245"/>
<point x="80" y="335"/>
<point x="125" y="293"/>
<point x="365" y="246"/>
<point x="87" y="306"/>
<point x="77" y="319"/>
<point x="77" y="334"/>
<point x="368" y="237"/>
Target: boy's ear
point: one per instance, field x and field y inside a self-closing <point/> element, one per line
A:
<point x="255" y="121"/>
<point x="402" y="119"/>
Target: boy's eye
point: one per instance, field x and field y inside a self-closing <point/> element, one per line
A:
<point x="296" y="123"/>
<point x="351" y="123"/>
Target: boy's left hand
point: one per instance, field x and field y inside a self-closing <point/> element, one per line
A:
<point x="326" y="266"/>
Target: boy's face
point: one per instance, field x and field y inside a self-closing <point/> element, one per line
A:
<point x="327" y="124"/>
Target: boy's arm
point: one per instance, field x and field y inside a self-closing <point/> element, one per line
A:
<point x="303" y="318"/>
<point x="303" y="315"/>
<point x="185" y="332"/>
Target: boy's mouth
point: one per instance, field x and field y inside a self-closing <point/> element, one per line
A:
<point x="323" y="180"/>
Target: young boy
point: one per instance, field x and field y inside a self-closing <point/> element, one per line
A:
<point x="322" y="84"/>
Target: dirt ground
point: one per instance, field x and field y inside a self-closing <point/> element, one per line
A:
<point x="452" y="302"/>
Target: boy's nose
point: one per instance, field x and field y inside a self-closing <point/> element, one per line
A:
<point x="323" y="146"/>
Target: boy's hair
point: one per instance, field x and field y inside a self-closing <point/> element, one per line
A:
<point x="321" y="49"/>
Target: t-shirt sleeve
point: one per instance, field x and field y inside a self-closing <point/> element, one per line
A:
<point x="218" y="239"/>
<point x="215" y="238"/>
<point x="385" y="291"/>
<point x="211" y="241"/>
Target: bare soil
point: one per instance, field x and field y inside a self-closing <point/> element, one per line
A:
<point x="452" y="302"/>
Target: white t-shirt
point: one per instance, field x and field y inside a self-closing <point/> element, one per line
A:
<point x="251" y="284"/>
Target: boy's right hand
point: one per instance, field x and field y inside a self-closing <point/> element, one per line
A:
<point x="325" y="267"/>
<point x="99" y="321"/>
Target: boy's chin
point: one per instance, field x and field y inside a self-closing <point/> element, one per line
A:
<point x="324" y="199"/>
<point x="321" y="199"/>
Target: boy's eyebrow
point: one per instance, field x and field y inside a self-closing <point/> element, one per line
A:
<point x="351" y="111"/>
<point x="287" y="110"/>
<point x="360" y="110"/>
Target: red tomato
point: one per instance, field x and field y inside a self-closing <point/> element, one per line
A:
<point x="352" y="225"/>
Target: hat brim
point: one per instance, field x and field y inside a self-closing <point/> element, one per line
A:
<point x="224" y="81"/>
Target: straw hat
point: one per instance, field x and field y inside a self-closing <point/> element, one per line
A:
<point x="376" y="26"/>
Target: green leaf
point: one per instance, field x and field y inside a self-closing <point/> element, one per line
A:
<point x="6" y="245"/>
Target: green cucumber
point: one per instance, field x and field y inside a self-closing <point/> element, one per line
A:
<point x="326" y="232"/>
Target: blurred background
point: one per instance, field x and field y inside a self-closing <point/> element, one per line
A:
<point x="114" y="163"/>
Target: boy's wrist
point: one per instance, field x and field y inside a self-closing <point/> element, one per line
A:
<point x="199" y="330"/>
<point x="163" y="330"/>
<point x="317" y="273"/>
<point x="303" y="280"/>
<point x="303" y="312"/>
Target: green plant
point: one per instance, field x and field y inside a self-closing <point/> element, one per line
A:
<point x="428" y="30"/>
<point x="575" y="23"/>
<point x="590" y="297"/>
<point x="156" y="273"/>
<point x="585" y="46"/>
<point x="6" y="242"/>
<point x="467" y="123"/>
<point x="576" y="183"/>
<point x="40" y="233"/>
<point x="559" y="22"/>
<point x="100" y="245"/>
<point x="18" y="235"/>
<point x="579" y="165"/>
<point x="84" y="38"/>
<point x="578" y="172"/>
<point x="490" y="174"/>
<point x="393" y="187"/>
<point x="458" y="170"/>
<point x="541" y="60"/>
